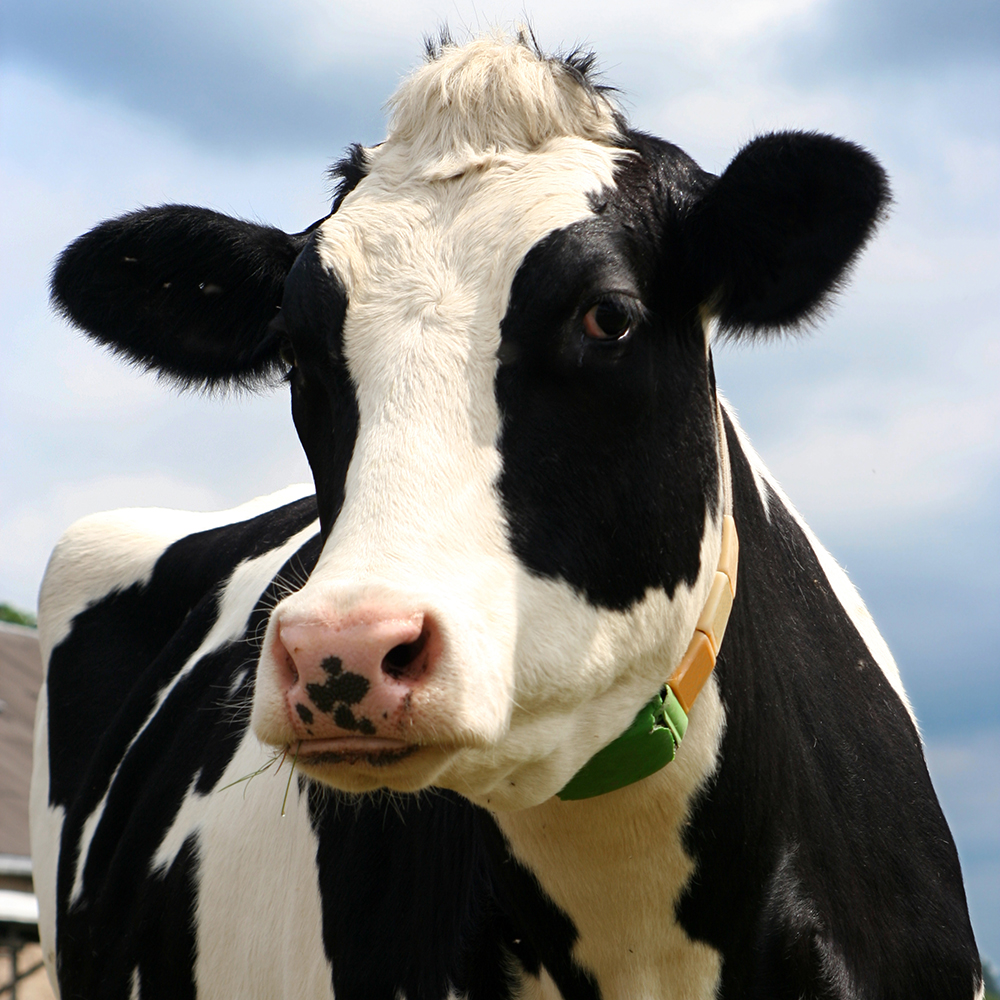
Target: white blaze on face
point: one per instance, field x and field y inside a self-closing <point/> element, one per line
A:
<point x="426" y="248"/>
<point x="427" y="268"/>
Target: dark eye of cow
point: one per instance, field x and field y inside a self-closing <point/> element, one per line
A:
<point x="606" y="321"/>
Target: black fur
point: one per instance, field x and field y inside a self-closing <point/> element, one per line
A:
<point x="825" y="866"/>
<point x="183" y="290"/>
<point x="348" y="172"/>
<point x="776" y="235"/>
<point x="623" y="433"/>
<point x="393" y="924"/>
<point x="324" y="406"/>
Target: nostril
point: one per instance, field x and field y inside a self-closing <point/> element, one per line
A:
<point x="406" y="659"/>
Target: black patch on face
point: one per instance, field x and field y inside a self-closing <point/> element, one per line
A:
<point x="609" y="453"/>
<point x="304" y="713"/>
<point x="324" y="405"/>
<point x="819" y="843"/>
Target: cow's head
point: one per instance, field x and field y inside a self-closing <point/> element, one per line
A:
<point x="498" y="352"/>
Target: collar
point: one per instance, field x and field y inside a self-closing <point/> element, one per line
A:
<point x="651" y="742"/>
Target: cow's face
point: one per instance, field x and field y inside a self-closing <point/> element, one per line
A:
<point x="505" y="421"/>
<point x="501" y="378"/>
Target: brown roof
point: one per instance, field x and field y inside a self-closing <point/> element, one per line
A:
<point x="20" y="678"/>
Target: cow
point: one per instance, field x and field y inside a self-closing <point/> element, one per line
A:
<point x="548" y="690"/>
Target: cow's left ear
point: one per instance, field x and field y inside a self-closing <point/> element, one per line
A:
<point x="185" y="291"/>
<point x="775" y="235"/>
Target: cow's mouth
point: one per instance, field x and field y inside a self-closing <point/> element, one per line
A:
<point x="377" y="751"/>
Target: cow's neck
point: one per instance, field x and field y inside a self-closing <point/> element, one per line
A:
<point x="616" y="866"/>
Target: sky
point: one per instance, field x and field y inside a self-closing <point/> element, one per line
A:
<point x="882" y="423"/>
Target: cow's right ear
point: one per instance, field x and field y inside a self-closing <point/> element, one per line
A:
<point x="777" y="233"/>
<point x="184" y="291"/>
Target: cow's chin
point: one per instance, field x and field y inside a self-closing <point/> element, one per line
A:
<point x="362" y="764"/>
<point x="368" y="763"/>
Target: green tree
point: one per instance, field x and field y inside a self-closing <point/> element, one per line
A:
<point x="8" y="613"/>
<point x="990" y="980"/>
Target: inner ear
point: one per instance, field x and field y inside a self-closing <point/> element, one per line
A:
<point x="776" y="235"/>
<point x="182" y="290"/>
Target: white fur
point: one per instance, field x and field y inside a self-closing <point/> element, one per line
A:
<point x="259" y="919"/>
<point x="83" y="846"/>
<point x="582" y="673"/>
<point x="616" y="865"/>
<point x="186" y="822"/>
<point x="490" y="97"/>
<point x="757" y="469"/>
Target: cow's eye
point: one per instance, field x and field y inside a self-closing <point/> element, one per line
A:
<point x="606" y="321"/>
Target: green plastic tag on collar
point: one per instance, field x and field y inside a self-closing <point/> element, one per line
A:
<point x="646" y="746"/>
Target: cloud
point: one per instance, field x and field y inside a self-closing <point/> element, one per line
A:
<point x="235" y="76"/>
<point x="256" y="77"/>
<point x="152" y="448"/>
<point x="892" y="36"/>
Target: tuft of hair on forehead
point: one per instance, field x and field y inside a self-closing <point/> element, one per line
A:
<point x="496" y="94"/>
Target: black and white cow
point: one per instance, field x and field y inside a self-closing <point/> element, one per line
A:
<point x="498" y="347"/>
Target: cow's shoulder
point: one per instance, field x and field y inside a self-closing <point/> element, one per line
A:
<point x="128" y="599"/>
<point x="147" y="615"/>
<point x="114" y="551"/>
<point x="841" y="870"/>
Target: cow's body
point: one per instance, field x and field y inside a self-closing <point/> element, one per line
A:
<point x="502" y="380"/>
